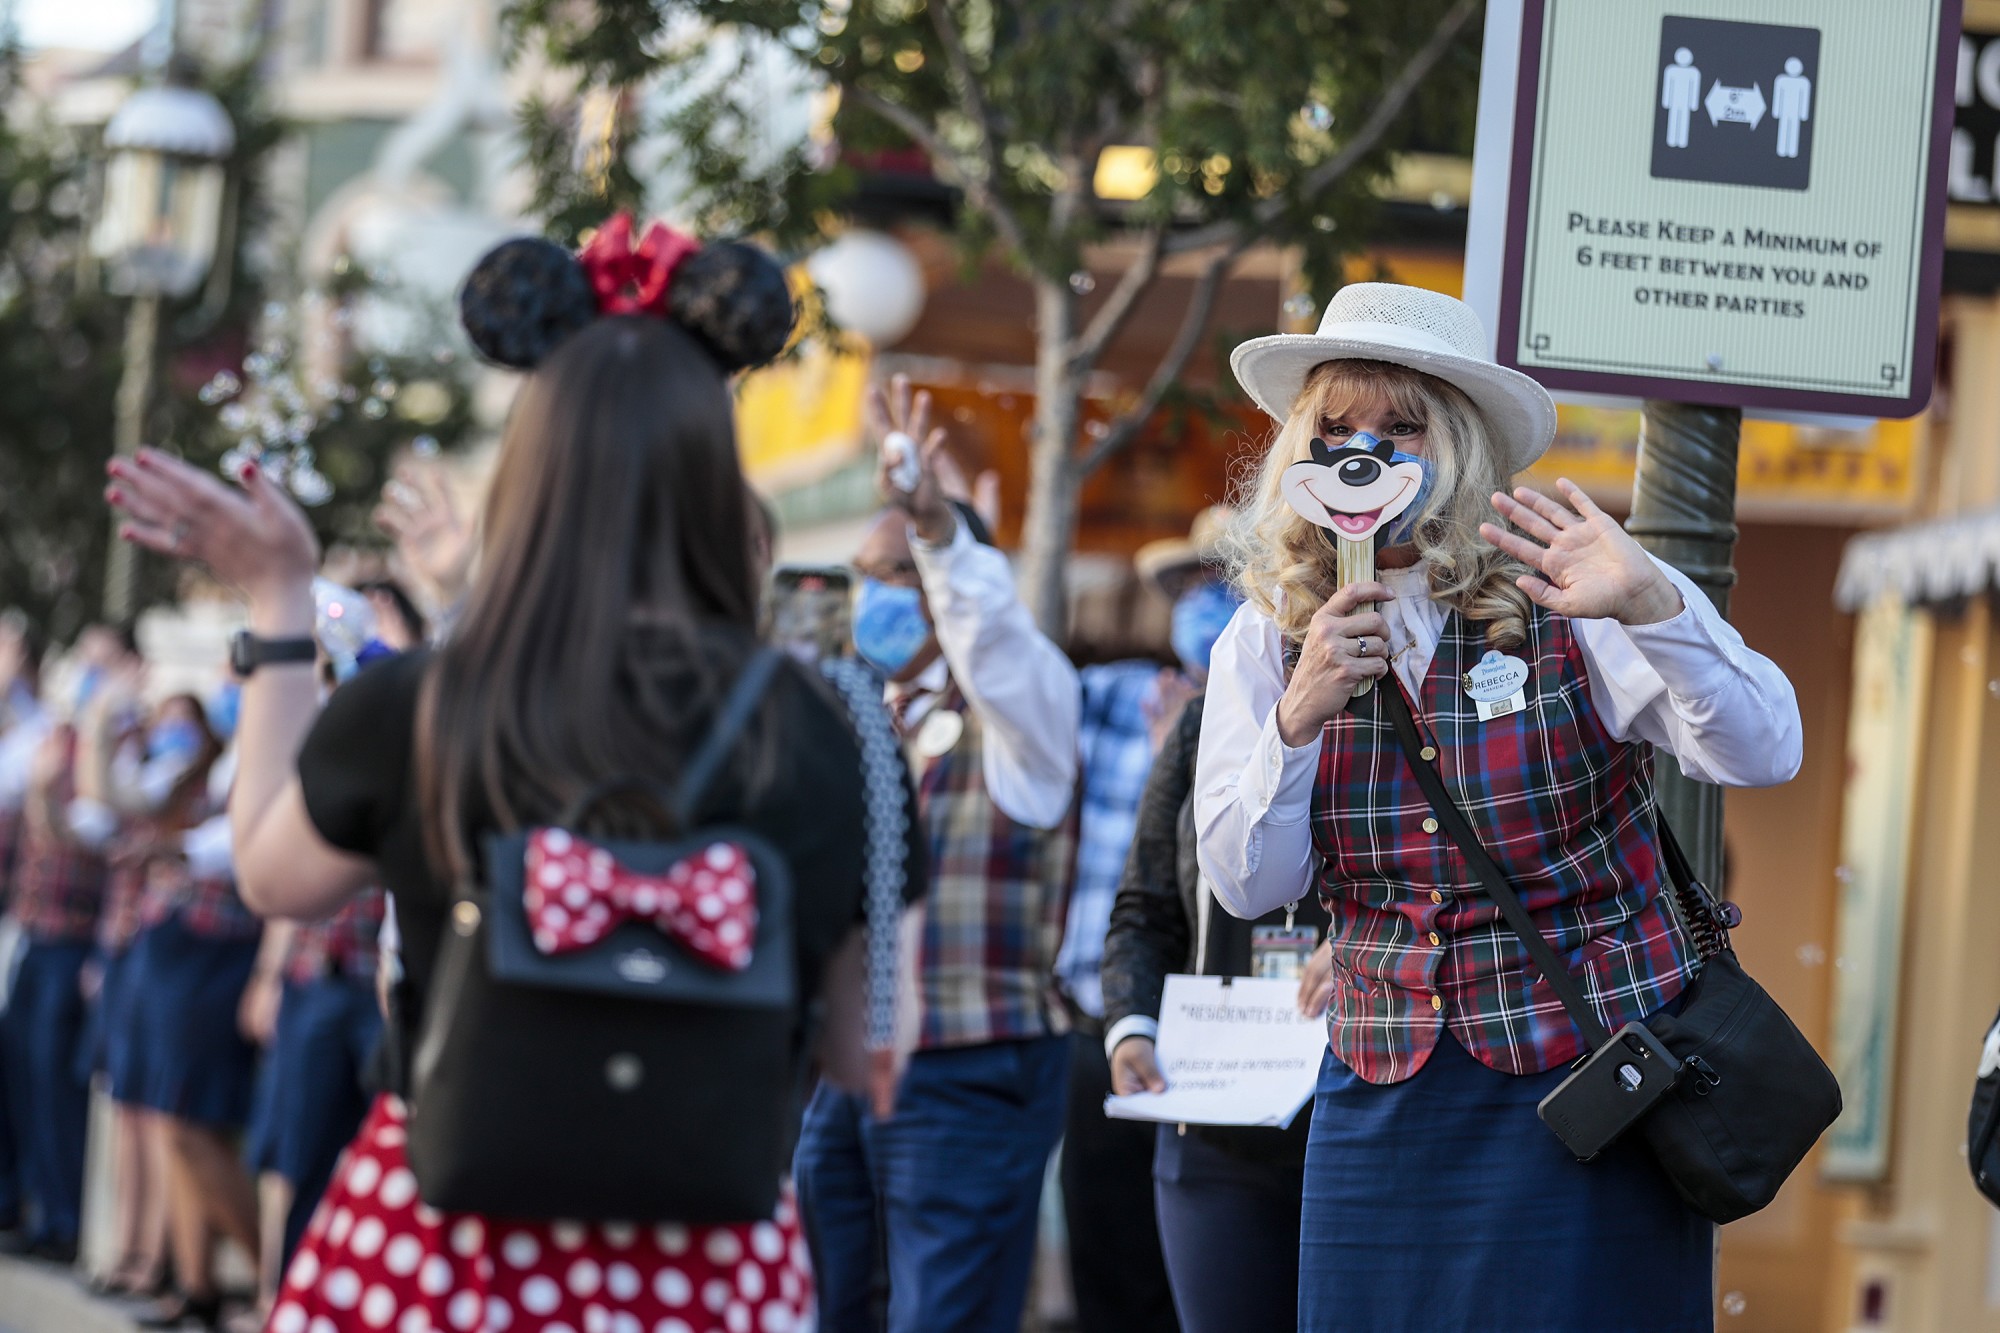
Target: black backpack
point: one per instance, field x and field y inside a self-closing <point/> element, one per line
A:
<point x="628" y="1080"/>
<point x="1981" y="1149"/>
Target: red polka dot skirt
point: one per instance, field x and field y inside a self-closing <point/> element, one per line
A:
<point x="377" y="1258"/>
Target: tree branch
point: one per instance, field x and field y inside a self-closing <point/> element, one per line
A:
<point x="1118" y="307"/>
<point x="972" y="102"/>
<point x="1200" y="305"/>
<point x="954" y="170"/>
<point x="1394" y="98"/>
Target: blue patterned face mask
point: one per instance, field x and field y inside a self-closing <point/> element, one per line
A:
<point x="889" y="625"/>
<point x="1200" y="614"/>
<point x="1402" y="530"/>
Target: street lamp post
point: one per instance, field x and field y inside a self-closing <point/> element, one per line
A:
<point x="157" y="235"/>
<point x="1684" y="512"/>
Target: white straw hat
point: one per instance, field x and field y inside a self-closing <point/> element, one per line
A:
<point x="1406" y="326"/>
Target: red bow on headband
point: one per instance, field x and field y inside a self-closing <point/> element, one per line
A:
<point x="632" y="280"/>
<point x="578" y="893"/>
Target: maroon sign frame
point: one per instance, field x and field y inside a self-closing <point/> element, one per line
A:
<point x="1923" y="323"/>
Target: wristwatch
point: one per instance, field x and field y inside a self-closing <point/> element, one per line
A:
<point x="247" y="652"/>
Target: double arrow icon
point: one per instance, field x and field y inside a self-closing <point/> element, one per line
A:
<point x="1741" y="106"/>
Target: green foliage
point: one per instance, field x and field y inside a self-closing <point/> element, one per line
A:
<point x="1014" y="100"/>
<point x="59" y="364"/>
<point x="62" y="351"/>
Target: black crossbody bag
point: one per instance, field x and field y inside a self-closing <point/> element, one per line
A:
<point x="1728" y="1092"/>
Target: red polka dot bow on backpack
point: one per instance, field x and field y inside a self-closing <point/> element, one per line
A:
<point x="578" y="893"/>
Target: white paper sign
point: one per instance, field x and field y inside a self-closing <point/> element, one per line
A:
<point x="1235" y="1051"/>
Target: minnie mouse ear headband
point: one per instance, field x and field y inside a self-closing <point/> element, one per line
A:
<point x="529" y="294"/>
<point x="1406" y="326"/>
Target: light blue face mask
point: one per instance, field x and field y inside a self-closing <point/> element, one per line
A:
<point x="889" y="625"/>
<point x="1200" y="614"/>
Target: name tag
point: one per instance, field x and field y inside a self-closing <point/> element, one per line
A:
<point x="1279" y="953"/>
<point x="1497" y="685"/>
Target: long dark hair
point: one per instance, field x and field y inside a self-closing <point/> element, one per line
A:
<point x="615" y="532"/>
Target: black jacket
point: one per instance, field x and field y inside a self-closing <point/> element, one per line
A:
<point x="1153" y="919"/>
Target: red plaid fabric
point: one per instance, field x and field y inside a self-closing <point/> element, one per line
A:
<point x="346" y="944"/>
<point x="10" y="838"/>
<point x="125" y="889"/>
<point x="58" y="887"/>
<point x="207" y="906"/>
<point x="999" y="892"/>
<point x="1567" y="814"/>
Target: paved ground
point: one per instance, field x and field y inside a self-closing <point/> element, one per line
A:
<point x="39" y="1298"/>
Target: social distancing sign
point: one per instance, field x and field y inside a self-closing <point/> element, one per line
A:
<point x="1726" y="203"/>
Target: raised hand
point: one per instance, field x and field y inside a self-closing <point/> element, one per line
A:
<point x="898" y="410"/>
<point x="434" y="539"/>
<point x="1591" y="569"/>
<point x="1344" y="646"/>
<point x="251" y="536"/>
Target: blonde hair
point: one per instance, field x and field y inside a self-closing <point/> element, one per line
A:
<point x="1285" y="565"/>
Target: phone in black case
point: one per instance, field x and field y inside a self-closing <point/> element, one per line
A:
<point x="1608" y="1092"/>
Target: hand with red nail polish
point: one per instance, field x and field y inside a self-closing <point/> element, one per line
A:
<point x="253" y="537"/>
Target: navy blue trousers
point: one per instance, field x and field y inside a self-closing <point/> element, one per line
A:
<point x="1444" y="1202"/>
<point x="1230" y="1230"/>
<point x="43" y="1034"/>
<point x="326" y="1034"/>
<point x="942" y="1196"/>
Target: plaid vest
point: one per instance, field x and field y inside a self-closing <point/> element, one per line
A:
<point x="118" y="924"/>
<point x="208" y="906"/>
<point x="346" y="944"/>
<point x="999" y="892"/>
<point x="1567" y="814"/>
<point x="58" y="887"/>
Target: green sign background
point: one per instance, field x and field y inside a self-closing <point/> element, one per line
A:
<point x="1693" y="289"/>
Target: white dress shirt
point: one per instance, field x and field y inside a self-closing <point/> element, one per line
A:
<point x="27" y="726"/>
<point x="1689" y="685"/>
<point x="1022" y="688"/>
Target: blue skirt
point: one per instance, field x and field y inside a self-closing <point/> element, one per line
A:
<point x="198" y="1067"/>
<point x="121" y="1052"/>
<point x="1443" y="1202"/>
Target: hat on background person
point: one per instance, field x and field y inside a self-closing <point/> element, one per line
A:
<point x="1167" y="563"/>
<point x="1405" y="326"/>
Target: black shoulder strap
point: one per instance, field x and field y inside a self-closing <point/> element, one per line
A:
<point x="723" y="733"/>
<point x="1496" y="885"/>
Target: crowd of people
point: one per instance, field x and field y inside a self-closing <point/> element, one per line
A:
<point x="373" y="975"/>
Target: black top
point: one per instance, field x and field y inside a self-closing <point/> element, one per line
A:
<point x="357" y="773"/>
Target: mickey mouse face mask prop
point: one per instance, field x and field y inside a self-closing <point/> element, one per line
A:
<point x="1359" y="489"/>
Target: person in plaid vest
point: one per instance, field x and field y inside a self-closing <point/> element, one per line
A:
<point x="988" y="708"/>
<point x="1433" y="1198"/>
<point x="58" y="889"/>
<point x="327" y="1027"/>
<point x="192" y="960"/>
<point x="23" y="724"/>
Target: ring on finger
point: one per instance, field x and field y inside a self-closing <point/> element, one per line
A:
<point x="178" y="536"/>
<point x="1361" y="646"/>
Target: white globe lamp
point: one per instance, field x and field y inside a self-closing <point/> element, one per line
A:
<point x="874" y="287"/>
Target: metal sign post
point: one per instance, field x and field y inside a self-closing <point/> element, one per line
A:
<point x="1713" y="206"/>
